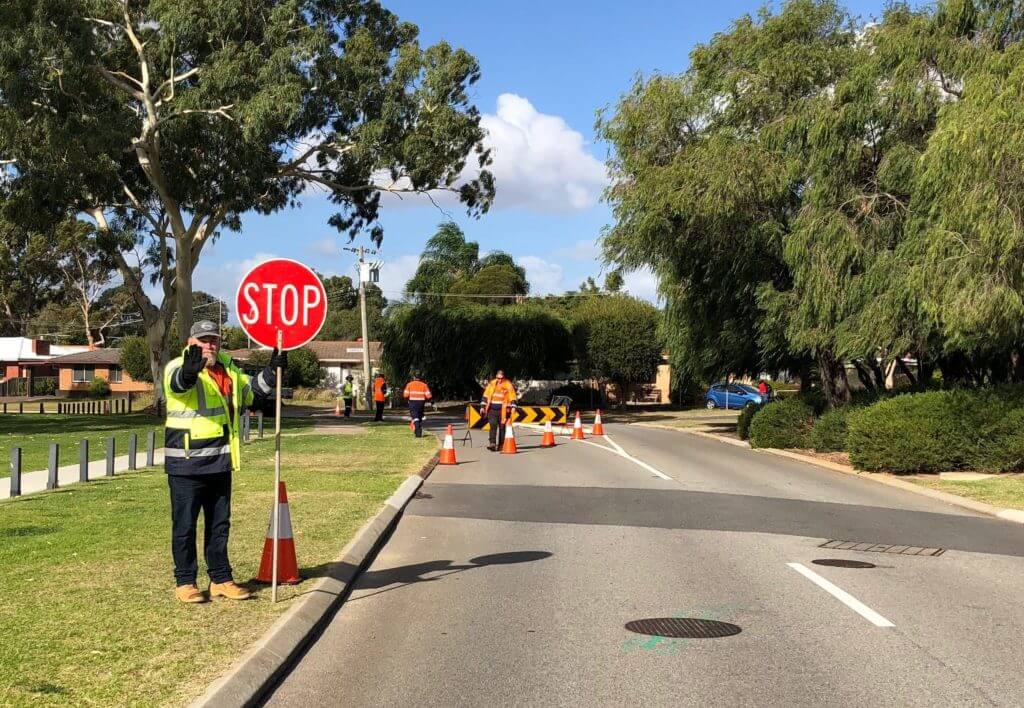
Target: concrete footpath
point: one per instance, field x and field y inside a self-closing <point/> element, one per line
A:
<point x="33" y="482"/>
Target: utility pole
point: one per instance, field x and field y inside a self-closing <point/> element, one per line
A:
<point x="364" y="277"/>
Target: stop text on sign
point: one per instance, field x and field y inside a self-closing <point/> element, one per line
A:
<point x="281" y="295"/>
<point x="288" y="305"/>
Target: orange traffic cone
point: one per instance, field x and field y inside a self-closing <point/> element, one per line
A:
<point x="549" y="436"/>
<point x="509" y="446"/>
<point x="598" y="428"/>
<point x="412" y="425"/>
<point x="337" y="409"/>
<point x="577" y="428"/>
<point x="287" y="563"/>
<point x="448" y="449"/>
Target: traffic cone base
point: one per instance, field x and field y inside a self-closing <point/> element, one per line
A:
<point x="287" y="562"/>
<point x="598" y="428"/>
<point x="577" y="428"/>
<point x="509" y="446"/>
<point x="548" y="440"/>
<point x="447" y="456"/>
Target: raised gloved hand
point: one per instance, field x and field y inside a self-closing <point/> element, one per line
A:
<point x="192" y="363"/>
<point x="279" y="359"/>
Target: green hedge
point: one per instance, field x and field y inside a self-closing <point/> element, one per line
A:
<point x="941" y="430"/>
<point x="782" y="424"/>
<point x="829" y="432"/>
<point x="743" y="422"/>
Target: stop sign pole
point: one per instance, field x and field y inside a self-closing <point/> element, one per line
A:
<point x="280" y="303"/>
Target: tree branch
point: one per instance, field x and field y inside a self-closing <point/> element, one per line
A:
<point x="222" y="111"/>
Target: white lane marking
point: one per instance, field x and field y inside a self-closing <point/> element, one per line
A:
<point x="844" y="597"/>
<point x="615" y="450"/>
<point x="641" y="463"/>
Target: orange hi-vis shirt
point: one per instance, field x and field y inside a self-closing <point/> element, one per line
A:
<point x="417" y="391"/>
<point x="378" y="389"/>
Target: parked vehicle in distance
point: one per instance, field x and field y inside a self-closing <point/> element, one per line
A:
<point x="732" y="396"/>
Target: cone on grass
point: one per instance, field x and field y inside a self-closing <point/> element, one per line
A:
<point x="548" y="440"/>
<point x="412" y="425"/>
<point x="577" y="428"/>
<point x="448" y="449"/>
<point x="598" y="428"/>
<point x="287" y="563"/>
<point x="509" y="446"/>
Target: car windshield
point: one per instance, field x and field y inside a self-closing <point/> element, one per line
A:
<point x="747" y="389"/>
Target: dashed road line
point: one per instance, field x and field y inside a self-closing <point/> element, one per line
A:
<point x="844" y="597"/>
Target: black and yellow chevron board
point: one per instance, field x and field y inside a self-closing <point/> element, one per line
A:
<point x="558" y="415"/>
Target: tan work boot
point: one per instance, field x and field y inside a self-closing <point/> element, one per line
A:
<point x="189" y="593"/>
<point x="229" y="590"/>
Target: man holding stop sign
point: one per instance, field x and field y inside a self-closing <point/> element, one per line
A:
<point x="206" y="396"/>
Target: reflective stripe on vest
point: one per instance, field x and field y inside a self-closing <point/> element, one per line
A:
<point x="198" y="452"/>
<point x="201" y="403"/>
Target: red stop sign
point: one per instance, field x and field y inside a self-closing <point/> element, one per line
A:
<point x="281" y="294"/>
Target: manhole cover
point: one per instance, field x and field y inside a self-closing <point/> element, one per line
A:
<point x="843" y="563"/>
<point x="683" y="628"/>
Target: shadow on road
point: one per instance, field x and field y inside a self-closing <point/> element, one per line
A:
<point x="429" y="571"/>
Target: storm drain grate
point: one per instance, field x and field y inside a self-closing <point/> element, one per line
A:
<point x="843" y="563"/>
<point x="683" y="628"/>
<point x="883" y="548"/>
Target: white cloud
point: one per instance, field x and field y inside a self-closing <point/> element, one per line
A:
<point x="544" y="276"/>
<point x="580" y="251"/>
<point x="642" y="284"/>
<point x="395" y="273"/>
<point x="539" y="163"/>
<point x="325" y="247"/>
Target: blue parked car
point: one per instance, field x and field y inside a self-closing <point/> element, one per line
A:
<point x="731" y="396"/>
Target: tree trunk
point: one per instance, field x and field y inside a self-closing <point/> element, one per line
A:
<point x="829" y="372"/>
<point x="183" y="290"/>
<point x="879" y="371"/>
<point x="902" y="366"/>
<point x="864" y="375"/>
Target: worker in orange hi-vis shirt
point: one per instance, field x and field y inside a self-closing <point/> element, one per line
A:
<point x="417" y="393"/>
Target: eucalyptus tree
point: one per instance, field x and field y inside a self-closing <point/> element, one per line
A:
<point x="167" y="120"/>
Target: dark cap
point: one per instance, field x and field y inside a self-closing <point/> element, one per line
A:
<point x="204" y="328"/>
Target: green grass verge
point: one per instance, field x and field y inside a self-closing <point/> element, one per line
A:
<point x="89" y="617"/>
<point x="1004" y="490"/>
<point x="33" y="434"/>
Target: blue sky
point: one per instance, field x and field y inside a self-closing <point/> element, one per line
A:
<point x="547" y="67"/>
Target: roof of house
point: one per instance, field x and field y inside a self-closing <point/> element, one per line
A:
<point x="20" y="349"/>
<point x="96" y="356"/>
<point x="330" y="351"/>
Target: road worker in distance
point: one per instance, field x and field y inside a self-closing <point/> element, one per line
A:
<point x="417" y="393"/>
<point x="498" y="404"/>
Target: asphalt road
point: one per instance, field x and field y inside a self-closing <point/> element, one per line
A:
<point x="510" y="581"/>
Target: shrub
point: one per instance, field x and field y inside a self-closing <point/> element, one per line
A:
<point x="829" y="431"/>
<point x="940" y="430"/>
<point x="782" y="424"/>
<point x="303" y="368"/>
<point x="44" y="386"/>
<point x="743" y="422"/>
<point x="99" y="388"/>
<point x="135" y="358"/>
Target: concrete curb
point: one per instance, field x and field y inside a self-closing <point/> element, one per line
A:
<point x="1012" y="515"/>
<point x="693" y="431"/>
<point x="258" y="670"/>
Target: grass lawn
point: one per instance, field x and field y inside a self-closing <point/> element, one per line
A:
<point x="89" y="616"/>
<point x="1005" y="490"/>
<point x="33" y="434"/>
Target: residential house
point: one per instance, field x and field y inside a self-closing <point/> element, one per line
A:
<point x="76" y="372"/>
<point x="26" y="367"/>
